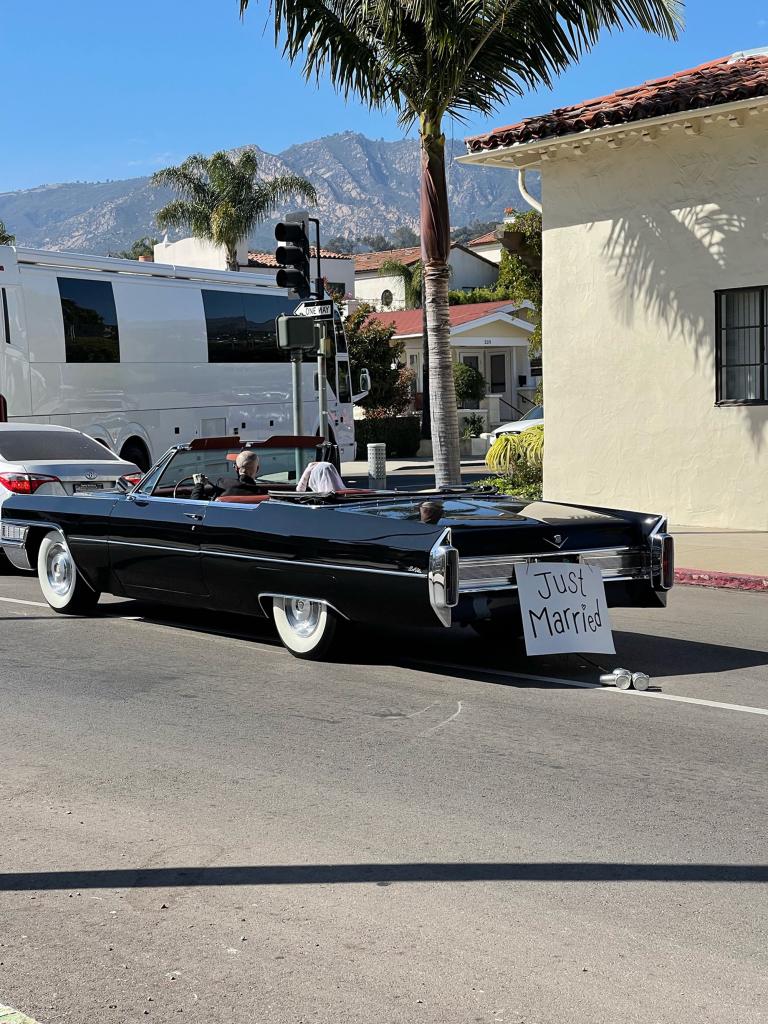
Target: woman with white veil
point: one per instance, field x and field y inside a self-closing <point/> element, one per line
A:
<point x="322" y="478"/>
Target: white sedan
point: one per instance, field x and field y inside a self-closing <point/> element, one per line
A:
<point x="37" y="458"/>
<point x="533" y="418"/>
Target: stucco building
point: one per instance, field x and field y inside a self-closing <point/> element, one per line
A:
<point x="493" y="338"/>
<point x="337" y="269"/>
<point x="655" y="319"/>
<point x="469" y="269"/>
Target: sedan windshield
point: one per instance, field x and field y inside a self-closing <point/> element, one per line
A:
<point x="51" y="446"/>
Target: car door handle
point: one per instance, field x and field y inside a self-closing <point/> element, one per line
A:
<point x="194" y="515"/>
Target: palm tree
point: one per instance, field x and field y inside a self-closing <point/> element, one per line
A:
<point x="410" y="275"/>
<point x="431" y="59"/>
<point x="5" y="237"/>
<point x="222" y="199"/>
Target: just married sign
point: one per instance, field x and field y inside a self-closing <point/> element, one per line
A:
<point x="563" y="608"/>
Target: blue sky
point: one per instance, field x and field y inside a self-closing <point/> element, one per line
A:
<point x="116" y="89"/>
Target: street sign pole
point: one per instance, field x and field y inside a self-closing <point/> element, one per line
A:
<point x="296" y="355"/>
<point x="322" y="393"/>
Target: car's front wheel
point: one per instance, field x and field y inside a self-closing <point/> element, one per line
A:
<point x="307" y="628"/>
<point x="63" y="588"/>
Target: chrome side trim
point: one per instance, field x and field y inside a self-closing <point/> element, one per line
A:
<point x="286" y="562"/>
<point x="297" y="597"/>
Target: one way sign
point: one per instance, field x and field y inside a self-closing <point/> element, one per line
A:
<point x="320" y="310"/>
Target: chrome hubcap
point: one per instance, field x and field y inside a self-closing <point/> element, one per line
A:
<point x="59" y="570"/>
<point x="303" y="616"/>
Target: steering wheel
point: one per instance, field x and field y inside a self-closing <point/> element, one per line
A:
<point x="184" y="480"/>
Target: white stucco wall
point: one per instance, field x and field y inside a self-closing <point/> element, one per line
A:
<point x="369" y="287"/>
<point x="636" y="241"/>
<point x="195" y="252"/>
<point x="467" y="271"/>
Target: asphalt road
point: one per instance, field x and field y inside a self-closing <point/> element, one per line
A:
<point x="197" y="827"/>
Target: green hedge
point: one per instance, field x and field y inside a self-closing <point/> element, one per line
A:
<point x="401" y="435"/>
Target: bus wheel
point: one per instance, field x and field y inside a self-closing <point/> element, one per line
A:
<point x="135" y="451"/>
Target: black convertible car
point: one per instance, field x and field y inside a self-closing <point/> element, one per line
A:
<point x="311" y="559"/>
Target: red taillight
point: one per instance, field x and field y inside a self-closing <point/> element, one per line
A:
<point x="26" y="483"/>
<point x="132" y="478"/>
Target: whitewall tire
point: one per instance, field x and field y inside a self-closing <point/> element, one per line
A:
<point x="63" y="588"/>
<point x="306" y="627"/>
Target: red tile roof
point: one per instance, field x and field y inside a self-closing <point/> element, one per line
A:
<point x="409" y="321"/>
<point x="267" y="259"/>
<point x="486" y="239"/>
<point x="721" y="81"/>
<point x="365" y="261"/>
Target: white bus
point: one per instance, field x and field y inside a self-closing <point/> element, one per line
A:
<point x="142" y="355"/>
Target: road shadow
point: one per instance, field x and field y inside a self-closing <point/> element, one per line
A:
<point x="380" y="874"/>
<point x="452" y="651"/>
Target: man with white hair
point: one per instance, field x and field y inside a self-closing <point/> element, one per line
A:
<point x="247" y="465"/>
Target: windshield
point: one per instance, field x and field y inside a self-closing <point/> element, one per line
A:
<point x="536" y="413"/>
<point x="278" y="467"/>
<point x="51" y="446"/>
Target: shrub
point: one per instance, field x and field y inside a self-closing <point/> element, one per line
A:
<point x="469" y="383"/>
<point x="472" y="425"/>
<point x="401" y="435"/>
<point x="509" y="485"/>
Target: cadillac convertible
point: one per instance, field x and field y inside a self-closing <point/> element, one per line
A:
<point x="312" y="560"/>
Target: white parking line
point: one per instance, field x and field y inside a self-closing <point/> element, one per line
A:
<point x="17" y="600"/>
<point x="496" y="673"/>
<point x="10" y="1016"/>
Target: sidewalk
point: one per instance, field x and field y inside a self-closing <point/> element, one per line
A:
<point x="737" y="559"/>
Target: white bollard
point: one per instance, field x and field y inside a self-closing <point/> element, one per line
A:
<point x="377" y="466"/>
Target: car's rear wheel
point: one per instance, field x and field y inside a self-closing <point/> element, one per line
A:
<point x="307" y="628"/>
<point x="63" y="588"/>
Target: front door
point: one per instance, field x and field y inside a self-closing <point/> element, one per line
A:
<point x="154" y="546"/>
<point x="474" y="362"/>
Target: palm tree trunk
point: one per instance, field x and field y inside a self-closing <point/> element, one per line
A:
<point x="435" y="250"/>
<point x="426" y="420"/>
<point x="232" y="263"/>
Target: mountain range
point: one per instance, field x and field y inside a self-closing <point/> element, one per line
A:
<point x="365" y="187"/>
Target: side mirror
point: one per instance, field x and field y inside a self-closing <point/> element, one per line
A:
<point x="365" y="381"/>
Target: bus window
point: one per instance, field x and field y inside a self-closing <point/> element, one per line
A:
<point x="6" y="320"/>
<point x="345" y="392"/>
<point x="90" y="321"/>
<point x="241" y="326"/>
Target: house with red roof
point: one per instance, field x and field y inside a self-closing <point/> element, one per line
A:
<point x="655" y="271"/>
<point x="492" y="337"/>
<point x="469" y="269"/>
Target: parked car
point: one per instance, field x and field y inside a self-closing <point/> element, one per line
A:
<point x="533" y="418"/>
<point x="36" y="458"/>
<point x="309" y="561"/>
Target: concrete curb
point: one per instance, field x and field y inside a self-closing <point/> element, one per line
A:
<point x="725" y="580"/>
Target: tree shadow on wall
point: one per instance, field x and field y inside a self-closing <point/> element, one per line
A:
<point x="639" y="251"/>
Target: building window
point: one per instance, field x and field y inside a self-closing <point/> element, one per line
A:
<point x="90" y="321"/>
<point x="535" y="366"/>
<point x="741" y="345"/>
<point x="241" y="327"/>
<point x="386" y="298"/>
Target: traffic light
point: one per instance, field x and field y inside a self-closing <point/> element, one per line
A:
<point x="293" y="258"/>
